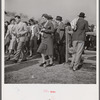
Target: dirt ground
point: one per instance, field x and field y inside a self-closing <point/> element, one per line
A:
<point x="29" y="72"/>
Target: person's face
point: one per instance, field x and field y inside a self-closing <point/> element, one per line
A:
<point x="17" y="19"/>
<point x="57" y="21"/>
<point x="44" y="19"/>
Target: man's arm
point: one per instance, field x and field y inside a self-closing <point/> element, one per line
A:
<point x="86" y="27"/>
<point x="25" y="30"/>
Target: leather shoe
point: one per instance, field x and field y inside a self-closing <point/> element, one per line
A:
<point x="41" y="65"/>
<point x="50" y="65"/>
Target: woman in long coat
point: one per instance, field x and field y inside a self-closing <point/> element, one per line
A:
<point x="46" y="46"/>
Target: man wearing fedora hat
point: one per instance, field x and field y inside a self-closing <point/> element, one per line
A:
<point x="60" y="38"/>
<point x="78" y="39"/>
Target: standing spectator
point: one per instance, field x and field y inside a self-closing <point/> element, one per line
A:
<point x="60" y="37"/>
<point x="38" y="35"/>
<point x="21" y="31"/>
<point x="78" y="39"/>
<point x="46" y="46"/>
<point x="27" y="39"/>
<point x="7" y="40"/>
<point x="34" y="37"/>
<point x="11" y="31"/>
<point x="68" y="25"/>
<point x="92" y="39"/>
<point x="87" y="42"/>
<point x="55" y="51"/>
<point x="6" y="26"/>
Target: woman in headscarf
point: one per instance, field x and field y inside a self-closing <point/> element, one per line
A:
<point x="46" y="46"/>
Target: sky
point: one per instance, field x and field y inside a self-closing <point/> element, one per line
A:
<point x="68" y="9"/>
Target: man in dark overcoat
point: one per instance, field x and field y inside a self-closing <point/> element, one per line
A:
<point x="60" y="38"/>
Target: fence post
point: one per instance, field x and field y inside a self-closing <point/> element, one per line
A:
<point x="66" y="34"/>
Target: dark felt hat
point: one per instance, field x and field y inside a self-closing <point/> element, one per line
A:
<point x="82" y="15"/>
<point x="50" y="17"/>
<point x="59" y="18"/>
<point x="45" y="15"/>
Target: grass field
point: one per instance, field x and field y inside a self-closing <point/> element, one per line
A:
<point x="29" y="72"/>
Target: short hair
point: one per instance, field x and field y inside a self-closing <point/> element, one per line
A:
<point x="32" y="20"/>
<point x="12" y="19"/>
<point x="18" y="16"/>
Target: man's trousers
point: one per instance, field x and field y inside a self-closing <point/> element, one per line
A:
<point x="20" y="51"/>
<point x="78" y="47"/>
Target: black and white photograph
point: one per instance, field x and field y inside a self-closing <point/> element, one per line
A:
<point x="50" y="42"/>
<point x="50" y="49"/>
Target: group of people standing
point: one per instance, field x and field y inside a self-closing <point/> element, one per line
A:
<point x="46" y="38"/>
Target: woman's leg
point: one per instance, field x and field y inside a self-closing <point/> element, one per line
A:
<point x="31" y="48"/>
<point x="43" y="58"/>
<point x="43" y="64"/>
<point x="51" y="59"/>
